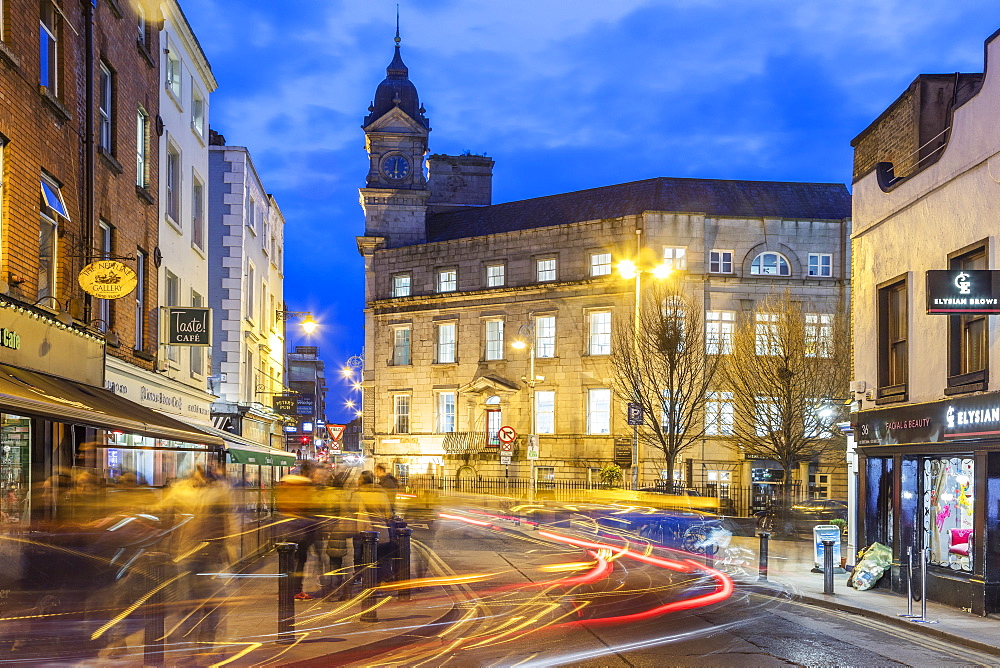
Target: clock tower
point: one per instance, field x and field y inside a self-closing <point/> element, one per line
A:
<point x="395" y="195"/>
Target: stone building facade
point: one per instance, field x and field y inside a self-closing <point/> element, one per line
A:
<point x="928" y="435"/>
<point x="453" y="280"/>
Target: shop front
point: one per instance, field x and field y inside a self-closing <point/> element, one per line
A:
<point x="67" y="444"/>
<point x="929" y="479"/>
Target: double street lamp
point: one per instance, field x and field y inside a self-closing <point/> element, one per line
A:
<point x="628" y="269"/>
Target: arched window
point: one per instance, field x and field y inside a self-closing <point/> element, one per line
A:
<point x="770" y="264"/>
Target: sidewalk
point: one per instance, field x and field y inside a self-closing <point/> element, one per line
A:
<point x="789" y="574"/>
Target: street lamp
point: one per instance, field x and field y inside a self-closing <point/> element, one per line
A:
<point x="629" y="269"/>
<point x="525" y="339"/>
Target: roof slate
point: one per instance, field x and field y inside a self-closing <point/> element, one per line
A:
<point x="714" y="198"/>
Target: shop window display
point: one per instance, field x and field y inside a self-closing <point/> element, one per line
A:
<point x="948" y="511"/>
<point x="15" y="466"/>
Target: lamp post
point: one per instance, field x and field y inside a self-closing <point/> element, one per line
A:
<point x="629" y="269"/>
<point x="520" y="343"/>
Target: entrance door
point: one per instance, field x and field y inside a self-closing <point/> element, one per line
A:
<point x="494" y="420"/>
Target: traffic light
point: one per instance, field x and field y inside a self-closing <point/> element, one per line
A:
<point x="304" y="440"/>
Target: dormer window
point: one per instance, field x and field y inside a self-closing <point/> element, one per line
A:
<point x="770" y="264"/>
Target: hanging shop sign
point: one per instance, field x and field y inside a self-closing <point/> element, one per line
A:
<point x="285" y="404"/>
<point x="305" y="404"/>
<point x="108" y="279"/>
<point x="952" y="291"/>
<point x="189" y="325"/>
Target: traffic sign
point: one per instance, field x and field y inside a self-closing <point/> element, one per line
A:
<point x="506" y="446"/>
<point x="634" y="413"/>
<point x="506" y="434"/>
<point x="504" y="460"/>
<point x="532" y="448"/>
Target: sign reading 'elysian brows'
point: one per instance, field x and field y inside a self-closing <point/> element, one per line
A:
<point x="963" y="291"/>
<point x="189" y="326"/>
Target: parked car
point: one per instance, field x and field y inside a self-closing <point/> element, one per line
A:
<point x="804" y="515"/>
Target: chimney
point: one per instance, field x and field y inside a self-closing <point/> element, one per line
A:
<point x="458" y="181"/>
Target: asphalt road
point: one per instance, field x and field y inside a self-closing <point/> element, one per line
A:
<point x="512" y="615"/>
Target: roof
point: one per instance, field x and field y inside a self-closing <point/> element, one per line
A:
<point x="715" y="198"/>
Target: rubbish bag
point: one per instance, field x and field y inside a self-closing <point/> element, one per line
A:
<point x="873" y="562"/>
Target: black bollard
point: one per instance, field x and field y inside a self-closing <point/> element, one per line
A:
<point x="710" y="550"/>
<point x="396" y="552"/>
<point x="762" y="563"/>
<point x="403" y="574"/>
<point x="369" y="574"/>
<point x="155" y="570"/>
<point x="827" y="566"/>
<point x="286" y="592"/>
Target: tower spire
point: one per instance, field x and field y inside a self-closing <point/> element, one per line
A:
<point x="397" y="40"/>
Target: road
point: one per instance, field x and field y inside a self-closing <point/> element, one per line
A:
<point x="512" y="617"/>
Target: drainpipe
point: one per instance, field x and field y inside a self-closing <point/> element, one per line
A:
<point x="89" y="147"/>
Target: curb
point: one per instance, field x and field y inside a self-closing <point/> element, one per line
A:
<point x="780" y="589"/>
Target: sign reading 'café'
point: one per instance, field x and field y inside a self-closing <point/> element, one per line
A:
<point x="963" y="291"/>
<point x="189" y="326"/>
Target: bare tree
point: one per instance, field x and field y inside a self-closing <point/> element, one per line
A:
<point x="663" y="367"/>
<point x="788" y="372"/>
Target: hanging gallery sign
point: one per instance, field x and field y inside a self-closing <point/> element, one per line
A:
<point x="188" y="325"/>
<point x="955" y="291"/>
<point x="108" y="279"/>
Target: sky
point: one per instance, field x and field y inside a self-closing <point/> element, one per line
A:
<point x="562" y="95"/>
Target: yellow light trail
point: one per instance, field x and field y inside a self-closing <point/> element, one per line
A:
<point x="142" y="599"/>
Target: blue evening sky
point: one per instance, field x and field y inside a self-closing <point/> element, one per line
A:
<point x="562" y="95"/>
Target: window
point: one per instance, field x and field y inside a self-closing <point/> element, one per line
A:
<point x="820" y="264"/>
<point x="720" y="262"/>
<point x="173" y="184"/>
<point x="141" y="144"/>
<point x="52" y="208"/>
<point x="173" y="73"/>
<point x="545" y="336"/>
<point x="401" y="285"/>
<point x="599" y="411"/>
<point x="968" y="351"/>
<point x="447" y="280"/>
<point x="545" y="412"/>
<point x="494" y="420"/>
<point x="197" y="352"/>
<point x="600" y="264"/>
<point x="545" y="477"/>
<point x="172" y="297"/>
<point x="197" y="111"/>
<point x="719" y="332"/>
<point x="675" y="257"/>
<point x="766" y="338"/>
<point x="140" y="299"/>
<point x="948" y="511"/>
<point x="819" y="485"/>
<point x="600" y="333"/>
<point x="671" y="413"/>
<point x="48" y="48"/>
<point x="400" y="346"/>
<point x="3" y="145"/>
<point x="770" y="264"/>
<point x="719" y="413"/>
<point x="103" y="306"/>
<point x="545" y="269"/>
<point x="401" y="414"/>
<point x="248" y="378"/>
<point x="141" y="23"/>
<point x="446" y="412"/>
<point x="197" y="212"/>
<point x="819" y="335"/>
<point x="104" y="133"/>
<point x="494" y="339"/>
<point x="250" y="301"/>
<point x="495" y="275"/>
<point x="767" y="418"/>
<point x="251" y="211"/>
<point x="892" y="338"/>
<point x="446" y="343"/>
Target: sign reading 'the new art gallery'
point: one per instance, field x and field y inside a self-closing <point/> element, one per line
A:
<point x="963" y="291"/>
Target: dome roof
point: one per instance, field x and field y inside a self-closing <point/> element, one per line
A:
<point x="396" y="90"/>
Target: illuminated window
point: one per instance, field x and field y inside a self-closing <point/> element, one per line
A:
<point x="104" y="109"/>
<point x="401" y="414"/>
<point x="446" y="412"/>
<point x="446" y="343"/>
<point x="675" y="257"/>
<point x="400" y="346"/>
<point x="401" y="285"/>
<point x="545" y="412"/>
<point x="600" y="333"/>
<point x="495" y="275"/>
<point x="546" y="269"/>
<point x="600" y="264"/>
<point x="447" y="280"/>
<point x="719" y="332"/>
<point x="770" y="264"/>
<point x="719" y="412"/>
<point x="599" y="411"/>
<point x="494" y="340"/>
<point x="545" y="336"/>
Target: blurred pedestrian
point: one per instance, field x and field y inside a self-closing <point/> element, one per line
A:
<point x="337" y="531"/>
<point x="372" y="512"/>
<point x="297" y="497"/>
<point x="389" y="483"/>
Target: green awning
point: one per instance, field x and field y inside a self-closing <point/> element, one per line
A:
<point x="245" y="454"/>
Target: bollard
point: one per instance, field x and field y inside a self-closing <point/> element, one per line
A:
<point x="155" y="569"/>
<point x="369" y="574"/>
<point x="395" y="524"/>
<point x="828" y="567"/>
<point x="710" y="550"/>
<point x="762" y="563"/>
<point x="286" y="593"/>
<point x="909" y="585"/>
<point x="403" y="573"/>
<point x="924" y="558"/>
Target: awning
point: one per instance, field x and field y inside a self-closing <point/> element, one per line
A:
<point x="244" y="451"/>
<point x="42" y="395"/>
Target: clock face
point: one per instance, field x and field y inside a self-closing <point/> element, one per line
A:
<point x="396" y="167"/>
